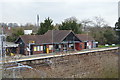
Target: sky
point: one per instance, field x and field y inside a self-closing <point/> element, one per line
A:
<point x="25" y="11"/>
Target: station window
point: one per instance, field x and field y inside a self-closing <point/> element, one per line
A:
<point x="35" y="48"/>
<point x="50" y="47"/>
<point x="38" y="48"/>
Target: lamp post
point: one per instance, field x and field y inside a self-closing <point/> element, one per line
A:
<point x="2" y="50"/>
<point x="52" y="42"/>
<point x="74" y="43"/>
<point x="29" y="49"/>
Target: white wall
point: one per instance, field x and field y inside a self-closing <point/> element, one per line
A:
<point x="27" y="32"/>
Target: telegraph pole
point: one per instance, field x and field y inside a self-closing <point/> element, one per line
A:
<point x="1" y="53"/>
<point x="1" y="64"/>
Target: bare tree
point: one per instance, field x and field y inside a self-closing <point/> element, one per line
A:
<point x="99" y="21"/>
<point x="86" y="23"/>
<point x="71" y="19"/>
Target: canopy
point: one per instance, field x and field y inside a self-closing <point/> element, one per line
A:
<point x="10" y="44"/>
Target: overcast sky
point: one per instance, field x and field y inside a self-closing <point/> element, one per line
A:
<point x="25" y="11"/>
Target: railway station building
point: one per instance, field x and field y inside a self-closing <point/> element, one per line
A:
<point x="52" y="41"/>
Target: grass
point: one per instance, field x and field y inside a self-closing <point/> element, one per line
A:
<point x="103" y="46"/>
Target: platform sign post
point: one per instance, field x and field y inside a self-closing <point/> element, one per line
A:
<point x="30" y="43"/>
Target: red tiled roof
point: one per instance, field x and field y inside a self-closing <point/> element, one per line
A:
<point x="51" y="36"/>
<point x="84" y="37"/>
<point x="27" y="38"/>
<point x="55" y="36"/>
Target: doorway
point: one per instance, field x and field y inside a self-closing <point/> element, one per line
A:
<point x="21" y="46"/>
<point x="44" y="49"/>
